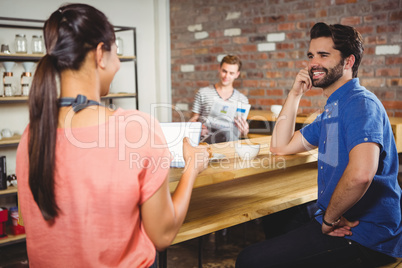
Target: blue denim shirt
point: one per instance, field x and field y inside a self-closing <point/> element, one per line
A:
<point x="353" y="115"/>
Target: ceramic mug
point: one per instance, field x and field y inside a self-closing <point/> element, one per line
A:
<point x="7" y="133"/>
<point x="276" y="109"/>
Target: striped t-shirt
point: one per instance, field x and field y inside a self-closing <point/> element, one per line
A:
<point x="205" y="98"/>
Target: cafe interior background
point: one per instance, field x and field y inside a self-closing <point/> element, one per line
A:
<point x="179" y="44"/>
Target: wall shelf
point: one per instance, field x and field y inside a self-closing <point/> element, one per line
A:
<point x="11" y="239"/>
<point x="9" y="142"/>
<point x="9" y="190"/>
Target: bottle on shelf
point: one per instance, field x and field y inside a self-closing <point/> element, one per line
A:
<point x="26" y="78"/>
<point x="8" y="79"/>
<point x="120" y="47"/>
<point x="3" y="173"/>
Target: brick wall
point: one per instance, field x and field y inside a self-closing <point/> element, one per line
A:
<point x="271" y="37"/>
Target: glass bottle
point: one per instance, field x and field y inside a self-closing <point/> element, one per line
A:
<point x="120" y="47"/>
<point x="20" y="43"/>
<point x="37" y="44"/>
<point x="26" y="78"/>
<point x="8" y="84"/>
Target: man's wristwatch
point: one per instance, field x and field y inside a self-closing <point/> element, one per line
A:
<point x="331" y="224"/>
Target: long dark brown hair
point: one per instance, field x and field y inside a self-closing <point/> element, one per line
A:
<point x="70" y="33"/>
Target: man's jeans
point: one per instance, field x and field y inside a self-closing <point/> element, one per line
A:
<point x="306" y="246"/>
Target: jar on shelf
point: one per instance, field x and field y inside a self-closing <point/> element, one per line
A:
<point x="37" y="44"/>
<point x="21" y="44"/>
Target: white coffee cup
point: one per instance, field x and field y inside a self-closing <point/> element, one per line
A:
<point x="247" y="151"/>
<point x="276" y="109"/>
<point x="7" y="133"/>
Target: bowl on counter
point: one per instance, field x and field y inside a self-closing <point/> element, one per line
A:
<point x="247" y="151"/>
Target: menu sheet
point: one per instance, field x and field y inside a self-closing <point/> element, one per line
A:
<point x="223" y="113"/>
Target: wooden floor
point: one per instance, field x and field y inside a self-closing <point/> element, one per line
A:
<point x="219" y="250"/>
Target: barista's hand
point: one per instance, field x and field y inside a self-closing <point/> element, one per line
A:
<point x="302" y="83"/>
<point x="204" y="130"/>
<point x="242" y="125"/>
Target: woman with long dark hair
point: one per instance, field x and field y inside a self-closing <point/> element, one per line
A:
<point x="92" y="181"/>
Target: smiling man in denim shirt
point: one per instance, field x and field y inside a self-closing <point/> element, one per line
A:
<point x="358" y="223"/>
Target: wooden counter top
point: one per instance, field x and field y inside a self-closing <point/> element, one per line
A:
<point x="223" y="205"/>
<point x="233" y="191"/>
<point x="232" y="167"/>
<point x="264" y="115"/>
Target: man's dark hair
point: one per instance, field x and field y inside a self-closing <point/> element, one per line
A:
<point x="346" y="39"/>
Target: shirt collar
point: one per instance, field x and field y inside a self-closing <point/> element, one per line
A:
<point x="343" y="90"/>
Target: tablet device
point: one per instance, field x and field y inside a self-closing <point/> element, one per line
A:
<point x="174" y="134"/>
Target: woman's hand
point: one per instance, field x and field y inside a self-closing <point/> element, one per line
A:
<point x="196" y="157"/>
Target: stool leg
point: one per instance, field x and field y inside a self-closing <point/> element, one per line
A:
<point x="162" y="259"/>
<point x="200" y="252"/>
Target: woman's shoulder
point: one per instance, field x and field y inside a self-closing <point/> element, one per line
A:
<point x="134" y="119"/>
<point x="123" y="114"/>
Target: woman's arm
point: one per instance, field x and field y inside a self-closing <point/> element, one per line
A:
<point x="163" y="213"/>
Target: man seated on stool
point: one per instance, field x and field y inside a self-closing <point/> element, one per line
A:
<point x="223" y="90"/>
<point x="358" y="222"/>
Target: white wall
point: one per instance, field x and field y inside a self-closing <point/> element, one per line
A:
<point x="151" y="19"/>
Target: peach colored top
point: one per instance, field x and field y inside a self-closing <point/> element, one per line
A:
<point x="103" y="175"/>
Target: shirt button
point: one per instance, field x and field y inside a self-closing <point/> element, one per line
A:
<point x="322" y="167"/>
<point x="321" y="192"/>
<point x="365" y="139"/>
<point x="329" y="116"/>
<point x="324" y="142"/>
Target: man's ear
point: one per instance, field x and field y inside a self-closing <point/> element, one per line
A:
<point x="99" y="55"/>
<point x="350" y="61"/>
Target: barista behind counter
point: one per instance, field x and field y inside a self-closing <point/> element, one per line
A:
<point x="222" y="125"/>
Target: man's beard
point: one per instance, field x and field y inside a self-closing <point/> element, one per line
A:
<point x="331" y="75"/>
